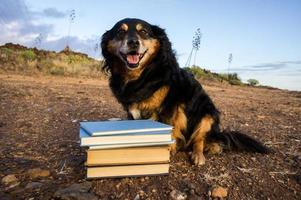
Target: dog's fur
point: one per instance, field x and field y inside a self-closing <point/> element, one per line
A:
<point x="147" y="80"/>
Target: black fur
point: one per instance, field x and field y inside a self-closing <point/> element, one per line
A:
<point x="184" y="89"/>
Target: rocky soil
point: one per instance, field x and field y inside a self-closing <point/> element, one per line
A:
<point x="40" y="156"/>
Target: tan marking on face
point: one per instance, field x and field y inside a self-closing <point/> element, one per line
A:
<point x="114" y="46"/>
<point x="124" y="27"/>
<point x="152" y="46"/>
<point x="139" y="27"/>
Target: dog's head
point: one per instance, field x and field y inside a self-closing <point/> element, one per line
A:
<point x="132" y="44"/>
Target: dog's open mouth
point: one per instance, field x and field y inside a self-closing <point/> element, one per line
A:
<point x="132" y="58"/>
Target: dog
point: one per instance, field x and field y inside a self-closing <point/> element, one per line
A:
<point x="147" y="80"/>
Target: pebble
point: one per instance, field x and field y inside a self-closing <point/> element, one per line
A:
<point x="219" y="192"/>
<point x="137" y="197"/>
<point x="76" y="191"/>
<point x="37" y="172"/>
<point x="9" y="179"/>
<point x="33" y="185"/>
<point x="177" y="195"/>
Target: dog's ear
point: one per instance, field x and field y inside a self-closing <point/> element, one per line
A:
<point x="104" y="43"/>
<point x="160" y="34"/>
<point x="166" y="52"/>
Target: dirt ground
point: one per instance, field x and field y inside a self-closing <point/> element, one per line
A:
<point x="39" y="123"/>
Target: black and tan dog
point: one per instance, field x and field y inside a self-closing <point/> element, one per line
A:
<point x="147" y="80"/>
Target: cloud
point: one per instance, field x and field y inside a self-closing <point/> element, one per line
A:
<point x="75" y="43"/>
<point x="270" y="66"/>
<point x="53" y="12"/>
<point x="18" y="23"/>
<point x="22" y="25"/>
<point x="13" y="10"/>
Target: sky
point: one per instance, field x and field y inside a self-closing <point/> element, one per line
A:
<point x="264" y="36"/>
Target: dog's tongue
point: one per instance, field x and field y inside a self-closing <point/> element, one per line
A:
<point x="133" y="59"/>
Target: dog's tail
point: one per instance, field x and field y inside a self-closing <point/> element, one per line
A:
<point x="234" y="140"/>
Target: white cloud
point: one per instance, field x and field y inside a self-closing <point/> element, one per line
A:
<point x="23" y="26"/>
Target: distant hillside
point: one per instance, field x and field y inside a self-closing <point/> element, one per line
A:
<point x="21" y="59"/>
<point x="207" y="75"/>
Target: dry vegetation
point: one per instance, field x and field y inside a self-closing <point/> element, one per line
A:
<point x="23" y="60"/>
<point x="40" y="156"/>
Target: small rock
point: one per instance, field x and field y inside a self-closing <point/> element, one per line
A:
<point x="219" y="192"/>
<point x="141" y="193"/>
<point x="9" y="179"/>
<point x="33" y="185"/>
<point x="118" y="186"/>
<point x="137" y="197"/>
<point x="177" y="195"/>
<point x="37" y="172"/>
<point x="77" y="191"/>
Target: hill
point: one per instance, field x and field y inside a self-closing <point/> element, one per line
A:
<point x="20" y="59"/>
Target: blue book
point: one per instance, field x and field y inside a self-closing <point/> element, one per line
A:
<point x="103" y="128"/>
<point x="124" y="139"/>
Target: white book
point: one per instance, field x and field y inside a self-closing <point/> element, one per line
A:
<point x="151" y="137"/>
<point x="102" y="128"/>
<point x="144" y="144"/>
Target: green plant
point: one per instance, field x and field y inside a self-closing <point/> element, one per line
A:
<point x="57" y="70"/>
<point x="7" y="51"/>
<point x="253" y="82"/>
<point x="29" y="55"/>
<point x="196" y="71"/>
<point x="232" y="78"/>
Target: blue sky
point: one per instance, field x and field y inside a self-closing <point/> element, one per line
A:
<point x="263" y="35"/>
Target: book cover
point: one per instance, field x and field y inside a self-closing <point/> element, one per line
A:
<point x="101" y="128"/>
<point x="128" y="156"/>
<point x="142" y="144"/>
<point x="127" y="170"/>
<point x="88" y="140"/>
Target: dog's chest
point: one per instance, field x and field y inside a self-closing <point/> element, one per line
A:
<point x="151" y="107"/>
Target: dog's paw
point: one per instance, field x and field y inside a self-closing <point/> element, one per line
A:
<point x="173" y="148"/>
<point x="198" y="158"/>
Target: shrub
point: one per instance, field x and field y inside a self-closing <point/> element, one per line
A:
<point x="253" y="82"/>
<point x="198" y="72"/>
<point x="7" y="51"/>
<point x="29" y="55"/>
<point x="57" y="70"/>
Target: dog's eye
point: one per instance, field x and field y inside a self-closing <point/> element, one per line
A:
<point x="120" y="32"/>
<point x="144" y="32"/>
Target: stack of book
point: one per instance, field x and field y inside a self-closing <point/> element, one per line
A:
<point x="126" y="148"/>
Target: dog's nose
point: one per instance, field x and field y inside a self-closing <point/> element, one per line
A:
<point x="133" y="43"/>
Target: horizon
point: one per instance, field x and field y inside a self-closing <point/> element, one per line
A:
<point x="263" y="36"/>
